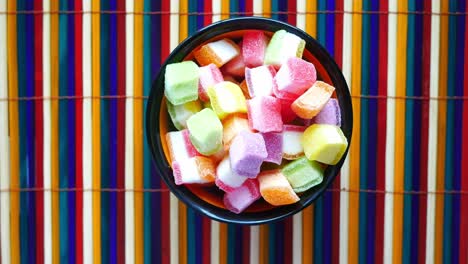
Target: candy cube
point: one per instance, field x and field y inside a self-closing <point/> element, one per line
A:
<point x="283" y="45"/>
<point x="198" y="169"/>
<point x="260" y="80"/>
<point x="292" y="141"/>
<point x="227" y="98"/>
<point x="275" y="188"/>
<point x="232" y="125"/>
<point x="313" y="100"/>
<point x="253" y="48"/>
<point x="264" y="114"/>
<point x="287" y="114"/>
<point x="274" y="146"/>
<point x="324" y="143"/>
<point x="236" y="66"/>
<point x="206" y="132"/>
<point x="303" y="174"/>
<point x="242" y="197"/>
<point x="217" y="52"/>
<point x="294" y="77"/>
<point x="180" y="113"/>
<point x="247" y="153"/>
<point x="209" y="76"/>
<point x="180" y="147"/>
<point x="226" y="179"/>
<point x="330" y="114"/>
<point x="181" y="82"/>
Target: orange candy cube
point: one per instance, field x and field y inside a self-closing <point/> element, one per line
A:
<point x="275" y="188"/>
<point x="309" y="104"/>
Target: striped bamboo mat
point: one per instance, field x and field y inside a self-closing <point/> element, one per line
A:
<point x="76" y="180"/>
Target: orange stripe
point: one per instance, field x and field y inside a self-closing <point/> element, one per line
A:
<point x="14" y="132"/>
<point x="225" y="9"/>
<point x="266" y="12"/>
<point x="442" y="133"/>
<point x="263" y="245"/>
<point x="308" y="234"/>
<point x="223" y="237"/>
<point x="354" y="155"/>
<point x="96" y="116"/>
<point x="183" y="20"/>
<point x="311" y="19"/>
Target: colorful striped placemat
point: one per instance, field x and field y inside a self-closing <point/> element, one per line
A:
<point x="77" y="183"/>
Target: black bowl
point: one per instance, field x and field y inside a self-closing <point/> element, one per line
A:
<point x="208" y="201"/>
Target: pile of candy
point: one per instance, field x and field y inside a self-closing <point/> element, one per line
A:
<point x="270" y="136"/>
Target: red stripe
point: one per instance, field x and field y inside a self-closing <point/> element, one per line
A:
<point x="39" y="133"/>
<point x="288" y="239"/>
<point x="248" y="7"/>
<point x="165" y="29"/>
<point x="381" y="136"/>
<point x="121" y="62"/>
<point x="206" y="236"/>
<point x="292" y="12"/>
<point x="339" y="33"/>
<point x="463" y="252"/>
<point x="426" y="60"/>
<point x="79" y="129"/>
<point x="208" y="6"/>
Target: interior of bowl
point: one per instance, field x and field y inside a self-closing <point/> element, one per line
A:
<point x="208" y="200"/>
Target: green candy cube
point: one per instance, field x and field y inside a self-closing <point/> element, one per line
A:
<point x="283" y="45"/>
<point x="206" y="132"/>
<point x="181" y="82"/>
<point x="303" y="174"/>
<point x="181" y="113"/>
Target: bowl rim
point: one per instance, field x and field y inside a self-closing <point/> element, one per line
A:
<point x="153" y="112"/>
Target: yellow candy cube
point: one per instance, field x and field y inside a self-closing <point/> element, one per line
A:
<point x="227" y="98"/>
<point x="324" y="143"/>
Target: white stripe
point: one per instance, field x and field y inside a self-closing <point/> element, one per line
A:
<point x="257" y="7"/>
<point x="254" y="244"/>
<point x="432" y="148"/>
<point x="4" y="149"/>
<point x="47" y="133"/>
<point x="344" y="197"/>
<point x="173" y="201"/>
<point x="390" y="140"/>
<point x="214" y="242"/>
<point x="297" y="238"/>
<point x="216" y="6"/>
<point x="87" y="138"/>
<point x="301" y="18"/>
<point x="129" y="160"/>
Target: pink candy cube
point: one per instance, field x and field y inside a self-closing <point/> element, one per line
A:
<point x="294" y="77"/>
<point x="260" y="80"/>
<point x="209" y="76"/>
<point x="253" y="49"/>
<point x="242" y="197"/>
<point x="287" y="113"/>
<point x="236" y="66"/>
<point x="264" y="113"/>
<point x="180" y="146"/>
<point x="226" y="179"/>
<point x="195" y="170"/>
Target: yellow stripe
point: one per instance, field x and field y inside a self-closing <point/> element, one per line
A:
<point x="402" y="27"/>
<point x="263" y="245"/>
<point x="96" y="116"/>
<point x="225" y="9"/>
<point x="223" y="237"/>
<point x="14" y="132"/>
<point x="311" y="19"/>
<point x="138" y="130"/>
<point x="354" y="157"/>
<point x="183" y="20"/>
<point x="442" y="133"/>
<point x="308" y="235"/>
<point x="266" y="12"/>
<point x="54" y="91"/>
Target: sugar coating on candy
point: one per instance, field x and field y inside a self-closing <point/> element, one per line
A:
<point x="209" y="76"/>
<point x="242" y="197"/>
<point x="217" y="52"/>
<point x="198" y="170"/>
<point x="303" y="174"/>
<point x="226" y="179"/>
<point x="181" y="82"/>
<point x="180" y="113"/>
<point x="330" y="114"/>
<point x="324" y="143"/>
<point x="247" y="153"/>
<point x="309" y="104"/>
<point x="292" y="141"/>
<point x="274" y="146"/>
<point x="259" y="80"/>
<point x="236" y="66"/>
<point x="254" y="46"/>
<point x="283" y="45"/>
<point x="206" y="131"/>
<point x="179" y="147"/>
<point x="227" y="98"/>
<point x="232" y="125"/>
<point x="287" y="114"/>
<point x="275" y="188"/>
<point x="264" y="113"/>
<point x="294" y="77"/>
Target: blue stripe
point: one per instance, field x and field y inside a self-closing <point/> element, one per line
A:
<point x="449" y="141"/>
<point x="233" y="8"/>
<point x="231" y="246"/>
<point x="192" y="19"/>
<point x="242" y="7"/>
<point x="63" y="133"/>
<point x="113" y="135"/>
<point x="271" y="243"/>
<point x="200" y="18"/>
<point x="283" y="7"/>
<point x="274" y="9"/>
